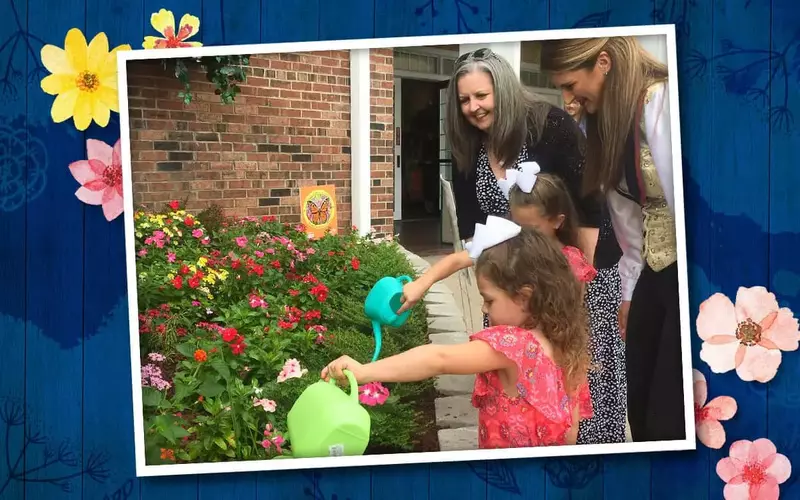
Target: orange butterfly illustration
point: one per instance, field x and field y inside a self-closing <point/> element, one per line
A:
<point x="318" y="213"/>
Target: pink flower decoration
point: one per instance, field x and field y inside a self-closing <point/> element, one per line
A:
<point x="373" y="394"/>
<point x="748" y="336"/>
<point x="753" y="471"/>
<point x="100" y="177"/>
<point x="707" y="416"/>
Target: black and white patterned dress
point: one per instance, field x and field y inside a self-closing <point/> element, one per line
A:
<point x="607" y="383"/>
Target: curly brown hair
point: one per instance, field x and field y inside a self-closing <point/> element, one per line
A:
<point x="551" y="196"/>
<point x="532" y="261"/>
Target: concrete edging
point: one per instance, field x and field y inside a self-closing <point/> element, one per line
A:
<point x="456" y="418"/>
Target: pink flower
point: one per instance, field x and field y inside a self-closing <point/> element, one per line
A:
<point x="707" y="416"/>
<point x="241" y="241"/>
<point x="170" y="257"/>
<point x="749" y="336"/>
<point x="259" y="253"/>
<point x="373" y="394"/>
<point x="197" y="233"/>
<point x="753" y="471"/>
<point x="100" y="177"/>
<point x="142" y="252"/>
<point x="267" y="404"/>
<point x="291" y="369"/>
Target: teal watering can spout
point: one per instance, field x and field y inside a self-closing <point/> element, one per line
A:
<point x="381" y="307"/>
<point x="376" y="330"/>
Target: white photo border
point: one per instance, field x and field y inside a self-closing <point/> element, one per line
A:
<point x="143" y="470"/>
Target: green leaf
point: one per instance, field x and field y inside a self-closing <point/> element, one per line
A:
<point x="186" y="349"/>
<point x="221" y="367"/>
<point x="220" y="443"/>
<point x="151" y="396"/>
<point x="211" y="389"/>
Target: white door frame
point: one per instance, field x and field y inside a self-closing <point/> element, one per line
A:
<point x="398" y="150"/>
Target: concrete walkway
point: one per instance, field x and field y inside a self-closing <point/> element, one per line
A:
<point x="456" y="418"/>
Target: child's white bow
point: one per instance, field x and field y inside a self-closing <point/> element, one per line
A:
<point x="525" y="178"/>
<point x="496" y="231"/>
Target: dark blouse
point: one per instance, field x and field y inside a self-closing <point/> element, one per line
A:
<point x="478" y="195"/>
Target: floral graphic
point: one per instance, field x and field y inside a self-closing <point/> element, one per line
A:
<point x="83" y="79"/>
<point x="762" y="75"/>
<point x="462" y="8"/>
<point x="20" y="43"/>
<point x="707" y="416"/>
<point x="23" y="177"/>
<point x="748" y="336"/>
<point x="164" y="22"/>
<point x="373" y="394"/>
<point x="754" y="470"/>
<point x="100" y="177"/>
<point x="59" y="465"/>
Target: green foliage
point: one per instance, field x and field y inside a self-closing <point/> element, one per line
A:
<point x="226" y="315"/>
<point x="225" y="72"/>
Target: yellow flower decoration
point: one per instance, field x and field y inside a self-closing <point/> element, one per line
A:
<point x="83" y="79"/>
<point x="164" y="22"/>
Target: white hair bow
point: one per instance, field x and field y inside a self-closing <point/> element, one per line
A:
<point x="495" y="231"/>
<point x="525" y="178"/>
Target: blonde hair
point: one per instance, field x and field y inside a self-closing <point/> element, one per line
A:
<point x="531" y="260"/>
<point x="632" y="71"/>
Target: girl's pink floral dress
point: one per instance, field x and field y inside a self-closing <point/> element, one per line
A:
<point x="541" y="415"/>
<point x="584" y="271"/>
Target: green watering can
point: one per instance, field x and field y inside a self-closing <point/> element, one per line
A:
<point x="382" y="304"/>
<point x="326" y="421"/>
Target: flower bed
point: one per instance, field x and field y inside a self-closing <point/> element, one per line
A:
<point x="238" y="316"/>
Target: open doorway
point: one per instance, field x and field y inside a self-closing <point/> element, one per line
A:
<point x="420" y="150"/>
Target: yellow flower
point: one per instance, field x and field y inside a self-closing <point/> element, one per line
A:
<point x="171" y="276"/>
<point x="164" y="22"/>
<point x="83" y="79"/>
<point x="202" y="261"/>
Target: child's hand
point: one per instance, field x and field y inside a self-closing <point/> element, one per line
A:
<point x="335" y="370"/>
<point x="412" y="293"/>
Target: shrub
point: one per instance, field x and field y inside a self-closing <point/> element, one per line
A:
<point x="234" y="325"/>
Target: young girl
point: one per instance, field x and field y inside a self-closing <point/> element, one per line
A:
<point x="543" y="202"/>
<point x="531" y="385"/>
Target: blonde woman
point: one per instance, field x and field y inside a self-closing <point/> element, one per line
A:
<point x="623" y="91"/>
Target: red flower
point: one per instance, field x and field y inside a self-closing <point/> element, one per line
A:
<point x="320" y="292"/>
<point x="293" y="292"/>
<point x="181" y="332"/>
<point x="237" y="349"/>
<point x="276" y="264"/>
<point x="185" y="269"/>
<point x="228" y="334"/>
<point x="235" y="264"/>
<point x="312" y="315"/>
<point x="174" y="204"/>
<point x="355" y="263"/>
<point x="194" y="282"/>
<point x="188" y="221"/>
<point x="200" y="355"/>
<point x="162" y="328"/>
<point x="177" y="282"/>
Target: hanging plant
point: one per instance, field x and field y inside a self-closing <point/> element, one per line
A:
<point x="225" y="72"/>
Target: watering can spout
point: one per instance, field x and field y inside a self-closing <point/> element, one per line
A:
<point x="382" y="304"/>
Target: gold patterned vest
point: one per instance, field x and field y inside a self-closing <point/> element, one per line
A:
<point x="660" y="244"/>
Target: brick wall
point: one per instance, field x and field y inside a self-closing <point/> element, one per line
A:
<point x="289" y="127"/>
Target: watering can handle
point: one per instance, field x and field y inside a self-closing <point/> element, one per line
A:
<point x="405" y="278"/>
<point x="353" y="384"/>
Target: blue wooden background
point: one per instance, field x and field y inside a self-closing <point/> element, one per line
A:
<point x="65" y="417"/>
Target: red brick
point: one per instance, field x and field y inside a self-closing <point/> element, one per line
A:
<point x="291" y="104"/>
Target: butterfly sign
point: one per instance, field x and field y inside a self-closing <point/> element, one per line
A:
<point x="318" y="209"/>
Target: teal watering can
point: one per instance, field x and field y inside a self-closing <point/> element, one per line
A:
<point x="326" y="421"/>
<point x="382" y="304"/>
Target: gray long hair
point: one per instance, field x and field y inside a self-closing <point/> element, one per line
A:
<point x="519" y="115"/>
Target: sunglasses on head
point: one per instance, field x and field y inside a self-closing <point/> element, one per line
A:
<point x="475" y="54"/>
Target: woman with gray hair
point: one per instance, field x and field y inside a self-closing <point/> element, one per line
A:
<point x="494" y="123"/>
